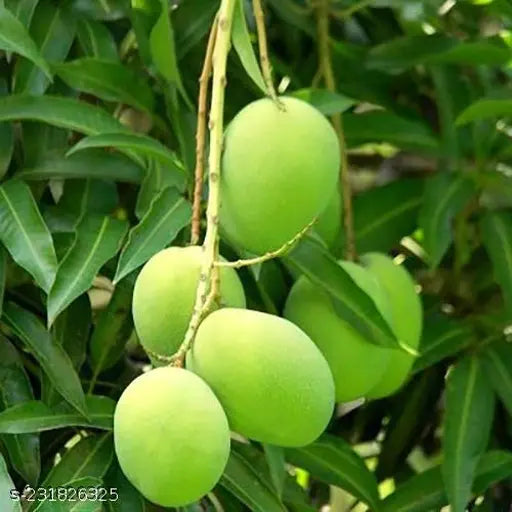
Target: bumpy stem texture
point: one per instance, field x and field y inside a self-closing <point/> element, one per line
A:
<point x="324" y="54"/>
<point x="216" y="125"/>
<point x="204" y="80"/>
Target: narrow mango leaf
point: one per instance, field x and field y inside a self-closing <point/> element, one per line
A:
<point x="442" y="337"/>
<point x="130" y="499"/>
<point x="96" y="40"/>
<point x="333" y="461"/>
<point x="6" y="136"/>
<point x="68" y="113"/>
<point x="497" y="236"/>
<point x="425" y="491"/>
<point x="92" y="163"/>
<point x="163" y="50"/>
<point x="53" y="30"/>
<point x="15" y="388"/>
<point x="22" y="9"/>
<point x="90" y="457"/>
<point x="139" y="143"/>
<point x="325" y="101"/>
<point x="168" y="214"/>
<point x="243" y="46"/>
<point x="9" y="499"/>
<point x="276" y="465"/>
<point x="108" y="80"/>
<point x="241" y="479"/>
<point x="113" y="328"/>
<point x="15" y="38"/>
<point x="446" y="194"/>
<point x="351" y="302"/>
<point x="24" y="233"/>
<point x="96" y="241"/>
<point x="380" y="126"/>
<point x="36" y="416"/>
<point x="384" y="215"/>
<point x="51" y="356"/>
<point x="497" y="361"/>
<point x="486" y="108"/>
<point x="467" y="424"/>
<point x="3" y="276"/>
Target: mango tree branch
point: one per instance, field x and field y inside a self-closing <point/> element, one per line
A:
<point x="266" y="68"/>
<point x="204" y="79"/>
<point x="216" y="125"/>
<point x="324" y="56"/>
<point x="269" y="255"/>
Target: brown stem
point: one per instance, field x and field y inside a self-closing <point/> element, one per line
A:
<point x="204" y="80"/>
<point x="324" y="55"/>
<point x="266" y="67"/>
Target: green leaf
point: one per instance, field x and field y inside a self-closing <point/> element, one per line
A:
<point x="446" y="194"/>
<point x="96" y="241"/>
<point x="350" y="301"/>
<point x="68" y="113"/>
<point x="15" y="388"/>
<point x="467" y="424"/>
<point x="3" y="276"/>
<point x="168" y="214"/>
<point x="425" y="491"/>
<point x="442" y="337"/>
<point x="15" y="38"/>
<point x="107" y="80"/>
<point x="497" y="363"/>
<point x="276" y="466"/>
<point x="36" y="416"/>
<point x="96" y="40"/>
<point x="408" y="51"/>
<point x="141" y="144"/>
<point x="332" y="460"/>
<point x="6" y="486"/>
<point x="22" y="9"/>
<point x="51" y="356"/>
<point x="90" y="457"/>
<point x="130" y="499"/>
<point x="91" y="163"/>
<point x="384" y="215"/>
<point x="325" y="101"/>
<point x="243" y="46"/>
<point x="497" y="237"/>
<point x="242" y="479"/>
<point x="486" y="108"/>
<point x="6" y="136"/>
<point x="53" y="30"/>
<point x="24" y="233"/>
<point x="381" y="126"/>
<point x="113" y="328"/>
<point x="163" y="51"/>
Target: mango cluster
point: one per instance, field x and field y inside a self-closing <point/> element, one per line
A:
<point x="270" y="379"/>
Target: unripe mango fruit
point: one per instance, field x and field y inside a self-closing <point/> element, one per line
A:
<point x="171" y="436"/>
<point x="357" y="365"/>
<point x="165" y="293"/>
<point x="328" y="225"/>
<point x="407" y="319"/>
<point x="271" y="379"/>
<point x="279" y="170"/>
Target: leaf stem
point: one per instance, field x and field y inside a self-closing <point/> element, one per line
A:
<point x="269" y="255"/>
<point x="205" y="293"/>
<point x="204" y="80"/>
<point x="325" y="61"/>
<point x="266" y="67"/>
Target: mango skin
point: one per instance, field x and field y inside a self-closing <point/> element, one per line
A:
<point x="171" y="436"/>
<point x="328" y="225"/>
<point x="164" y="296"/>
<point x="272" y="381"/>
<point x="407" y="319"/>
<point x="356" y="364"/>
<point x="279" y="170"/>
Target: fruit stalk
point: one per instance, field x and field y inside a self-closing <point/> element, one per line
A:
<point x="266" y="68"/>
<point x="206" y="292"/>
<point x="204" y="80"/>
<point x="326" y="70"/>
